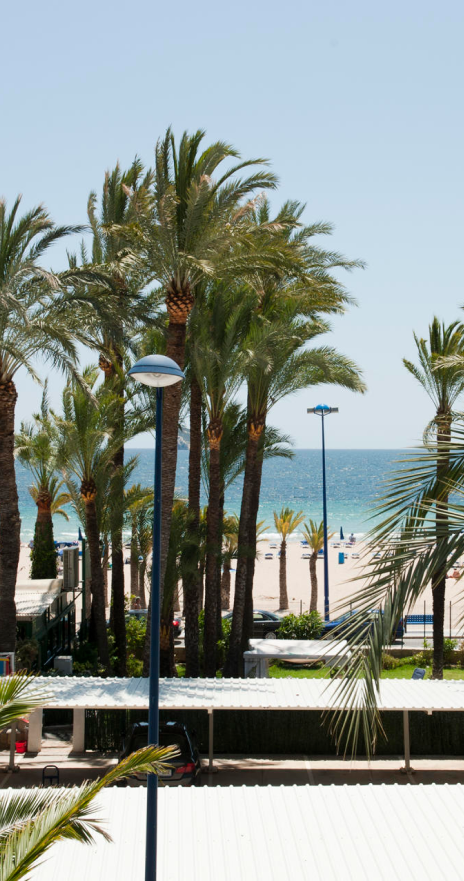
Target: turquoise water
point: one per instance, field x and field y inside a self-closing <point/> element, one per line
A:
<point x="354" y="480"/>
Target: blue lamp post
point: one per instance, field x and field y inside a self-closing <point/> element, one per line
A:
<point x="157" y="371"/>
<point x="323" y="410"/>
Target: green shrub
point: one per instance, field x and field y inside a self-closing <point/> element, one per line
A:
<point x="309" y="625"/>
<point x="449" y="648"/>
<point x="43" y="554"/>
<point x="391" y="663"/>
<point x="136" y="629"/>
<point x="27" y="653"/>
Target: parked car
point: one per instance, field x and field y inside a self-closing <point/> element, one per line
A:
<point x="343" y="623"/>
<point x="265" y="623"/>
<point x="186" y="767"/>
<point x="142" y="613"/>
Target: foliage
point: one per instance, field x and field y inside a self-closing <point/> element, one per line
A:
<point x="43" y="554"/>
<point x="27" y="652"/>
<point x="18" y="697"/>
<point x="86" y="661"/>
<point x="390" y="663"/>
<point x="308" y="625"/>
<point x="287" y="521"/>
<point x="222" y="643"/>
<point x="32" y="821"/>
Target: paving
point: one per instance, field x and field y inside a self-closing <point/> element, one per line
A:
<point x="242" y="771"/>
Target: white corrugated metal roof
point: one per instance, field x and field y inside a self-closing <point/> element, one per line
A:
<point x="29" y="605"/>
<point x="294" y="833"/>
<point x="223" y="694"/>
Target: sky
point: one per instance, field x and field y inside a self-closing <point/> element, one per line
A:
<point x="357" y="105"/>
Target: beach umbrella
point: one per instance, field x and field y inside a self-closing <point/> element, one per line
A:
<point x="80" y="536"/>
<point x="342" y="537"/>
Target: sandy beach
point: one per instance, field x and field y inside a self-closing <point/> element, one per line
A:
<point x="266" y="584"/>
<point x="341" y="582"/>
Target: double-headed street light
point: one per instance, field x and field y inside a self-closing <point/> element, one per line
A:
<point x="323" y="410"/>
<point x="157" y="371"/>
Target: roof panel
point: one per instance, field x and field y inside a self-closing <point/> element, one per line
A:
<point x="217" y="694"/>
<point x="325" y="833"/>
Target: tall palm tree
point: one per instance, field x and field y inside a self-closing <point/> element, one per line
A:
<point x="286" y="522"/>
<point x="87" y="445"/>
<point x="216" y="357"/>
<point x="30" y="325"/>
<point x="288" y="307"/>
<point x="314" y="534"/>
<point x="36" y="447"/>
<point x="32" y="823"/>
<point x="443" y="386"/>
<point x="186" y="239"/>
<point x="277" y="365"/>
<point x="124" y="197"/>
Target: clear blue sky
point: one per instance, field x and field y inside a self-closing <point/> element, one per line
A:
<point x="358" y="105"/>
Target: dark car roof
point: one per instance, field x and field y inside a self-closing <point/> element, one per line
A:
<point x="272" y="615"/>
<point x="164" y="726"/>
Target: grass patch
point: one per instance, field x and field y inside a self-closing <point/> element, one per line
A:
<point x="405" y="671"/>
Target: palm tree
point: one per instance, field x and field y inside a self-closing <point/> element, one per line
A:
<point x="87" y="444"/>
<point x="276" y="368"/>
<point x="32" y="823"/>
<point x="144" y="531"/>
<point x="314" y="534"/>
<point x="286" y="522"/>
<point x="187" y="238"/>
<point x="230" y="538"/>
<point x="216" y="358"/>
<point x="124" y="197"/>
<point x="30" y="325"/>
<point x="288" y="306"/>
<point x="138" y="499"/>
<point x="443" y="386"/>
<point x="36" y="447"/>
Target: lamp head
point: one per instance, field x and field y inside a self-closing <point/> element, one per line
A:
<point x="157" y="371"/>
<point x="322" y="410"/>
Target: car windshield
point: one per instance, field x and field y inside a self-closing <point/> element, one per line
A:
<point x="166" y="739"/>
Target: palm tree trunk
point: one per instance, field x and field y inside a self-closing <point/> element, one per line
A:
<point x="117" y="572"/>
<point x="96" y="581"/>
<point x="113" y="374"/>
<point x="212" y="551"/>
<point x="219" y="563"/>
<point x="439" y="577"/>
<point x="10" y="523"/>
<point x="225" y="585"/>
<point x="234" y="662"/>
<point x="283" y="596"/>
<point x="201" y="598"/>
<point x="313" y="578"/>
<point x="142" y="595"/>
<point x="175" y="349"/>
<point x="191" y="579"/>
<point x="134" y="562"/>
<point x="256" y="492"/>
<point x="105" y="561"/>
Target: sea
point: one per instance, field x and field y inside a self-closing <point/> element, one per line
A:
<point x="354" y="485"/>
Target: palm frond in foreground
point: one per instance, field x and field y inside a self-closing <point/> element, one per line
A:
<point x="422" y="532"/>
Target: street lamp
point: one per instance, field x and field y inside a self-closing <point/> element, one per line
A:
<point x="323" y="410"/>
<point x="157" y="371"/>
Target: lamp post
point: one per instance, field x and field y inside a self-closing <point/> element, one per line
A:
<point x="157" y="371"/>
<point x="323" y="410"/>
